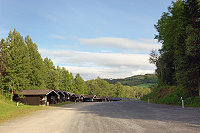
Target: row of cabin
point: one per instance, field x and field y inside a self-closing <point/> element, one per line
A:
<point x="47" y="97"/>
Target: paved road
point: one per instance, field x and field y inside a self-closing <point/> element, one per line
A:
<point x="113" y="117"/>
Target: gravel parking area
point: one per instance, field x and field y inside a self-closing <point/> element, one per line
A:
<point x="108" y="117"/>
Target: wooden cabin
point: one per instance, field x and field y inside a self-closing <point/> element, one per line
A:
<point x="88" y="98"/>
<point x="67" y="96"/>
<point x="112" y="99"/>
<point x="74" y="97"/>
<point x="37" y="97"/>
<point x="61" y="97"/>
<point x="100" y="99"/>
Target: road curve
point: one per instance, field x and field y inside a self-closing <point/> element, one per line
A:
<point x="110" y="117"/>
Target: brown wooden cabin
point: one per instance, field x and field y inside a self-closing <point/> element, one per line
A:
<point x="100" y="99"/>
<point x="87" y="98"/>
<point x="81" y="98"/>
<point x="37" y="97"/>
<point x="74" y="97"/>
<point x="61" y="96"/>
<point x="67" y="96"/>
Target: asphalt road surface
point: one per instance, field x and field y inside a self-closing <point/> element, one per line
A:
<point x="110" y="117"/>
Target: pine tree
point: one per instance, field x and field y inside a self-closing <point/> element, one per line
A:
<point x="71" y="86"/>
<point x="51" y="79"/>
<point x="81" y="87"/>
<point x="18" y="63"/>
<point x="3" y="63"/>
<point x="37" y="72"/>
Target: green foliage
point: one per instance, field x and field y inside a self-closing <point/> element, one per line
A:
<point x="192" y="101"/>
<point x="135" y="80"/>
<point x="66" y="80"/>
<point x="3" y="63"/>
<point x="17" y="63"/>
<point x="80" y="85"/>
<point x="22" y="67"/>
<point x="119" y="90"/>
<point x="171" y="98"/>
<point x="171" y="95"/>
<point x="37" y="71"/>
<point x="101" y="87"/>
<point x="178" y="60"/>
<point x="146" y="85"/>
<point x="51" y="79"/>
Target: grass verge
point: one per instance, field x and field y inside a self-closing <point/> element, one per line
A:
<point x="170" y="95"/>
<point x="9" y="110"/>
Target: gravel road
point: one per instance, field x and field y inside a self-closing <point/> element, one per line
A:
<point x="110" y="117"/>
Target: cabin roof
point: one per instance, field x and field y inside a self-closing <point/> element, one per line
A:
<point x="36" y="92"/>
<point x="60" y="92"/>
<point x="70" y="93"/>
<point x="79" y="95"/>
<point x="89" y="96"/>
<point x="100" y="98"/>
<point x="67" y="93"/>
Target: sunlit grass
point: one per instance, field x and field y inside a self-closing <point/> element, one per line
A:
<point x="9" y="110"/>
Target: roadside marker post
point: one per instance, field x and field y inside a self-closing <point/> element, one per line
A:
<point x="182" y="102"/>
<point x="148" y="100"/>
<point x="17" y="103"/>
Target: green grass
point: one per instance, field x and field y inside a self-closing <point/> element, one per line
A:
<point x="9" y="110"/>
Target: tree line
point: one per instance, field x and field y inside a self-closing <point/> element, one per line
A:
<point x="135" y="80"/>
<point x="101" y="87"/>
<point x="22" y="67"/>
<point x="178" y="61"/>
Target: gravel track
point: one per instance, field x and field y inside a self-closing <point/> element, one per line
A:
<point x="108" y="117"/>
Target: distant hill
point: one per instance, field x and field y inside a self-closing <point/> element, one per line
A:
<point x="135" y="80"/>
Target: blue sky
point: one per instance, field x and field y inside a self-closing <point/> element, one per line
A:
<point x="106" y="38"/>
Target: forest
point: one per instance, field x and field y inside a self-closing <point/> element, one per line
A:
<point x="22" y="67"/>
<point x="178" y="61"/>
<point x="148" y="79"/>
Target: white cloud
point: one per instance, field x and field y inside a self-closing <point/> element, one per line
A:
<point x="92" y="73"/>
<point x="98" y="59"/>
<point x="106" y="65"/>
<point x="58" y="37"/>
<point x="141" y="45"/>
<point x="142" y="72"/>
